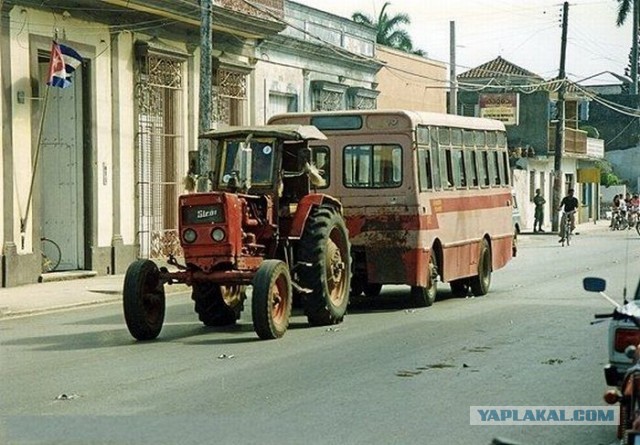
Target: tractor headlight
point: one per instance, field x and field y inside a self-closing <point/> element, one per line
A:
<point x="189" y="236"/>
<point x="217" y="234"/>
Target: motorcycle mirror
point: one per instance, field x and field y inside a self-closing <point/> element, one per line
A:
<point x="594" y="284"/>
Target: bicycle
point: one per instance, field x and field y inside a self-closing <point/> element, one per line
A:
<point x="51" y="255"/>
<point x="566" y="228"/>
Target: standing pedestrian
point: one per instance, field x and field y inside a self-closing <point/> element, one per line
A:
<point x="538" y="215"/>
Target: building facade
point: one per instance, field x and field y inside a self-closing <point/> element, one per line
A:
<point x="526" y="103"/>
<point x="97" y="167"/>
<point x="411" y="82"/>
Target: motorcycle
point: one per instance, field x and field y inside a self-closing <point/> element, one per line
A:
<point x="619" y="220"/>
<point x="623" y="370"/>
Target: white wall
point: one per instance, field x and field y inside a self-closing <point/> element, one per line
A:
<point x="626" y="164"/>
<point x="2" y="234"/>
<point x="125" y="134"/>
<point x="607" y="193"/>
<point x="271" y="77"/>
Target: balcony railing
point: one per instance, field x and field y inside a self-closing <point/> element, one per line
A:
<point x="575" y="141"/>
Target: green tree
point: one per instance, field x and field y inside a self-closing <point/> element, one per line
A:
<point x="389" y="29"/>
<point x="624" y="7"/>
<point x="607" y="177"/>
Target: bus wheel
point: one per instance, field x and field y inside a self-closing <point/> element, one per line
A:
<point x="357" y="287"/>
<point x="459" y="288"/>
<point x="426" y="296"/>
<point x="372" y="290"/>
<point x="481" y="282"/>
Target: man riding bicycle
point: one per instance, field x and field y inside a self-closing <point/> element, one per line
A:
<point x="569" y="205"/>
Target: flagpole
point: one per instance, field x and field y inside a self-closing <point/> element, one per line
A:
<point x="23" y="221"/>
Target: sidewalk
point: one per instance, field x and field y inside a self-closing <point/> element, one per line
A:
<point x="63" y="290"/>
<point x="602" y="224"/>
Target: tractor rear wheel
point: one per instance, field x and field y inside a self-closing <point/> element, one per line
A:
<point x="143" y="300"/>
<point x="218" y="305"/>
<point x="271" y="299"/>
<point x="325" y="249"/>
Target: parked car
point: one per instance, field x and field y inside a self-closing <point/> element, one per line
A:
<point x="515" y="214"/>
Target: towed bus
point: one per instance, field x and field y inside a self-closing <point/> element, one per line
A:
<point x="426" y="197"/>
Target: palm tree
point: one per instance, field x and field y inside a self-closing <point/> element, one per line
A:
<point x="624" y="6"/>
<point x="388" y="29"/>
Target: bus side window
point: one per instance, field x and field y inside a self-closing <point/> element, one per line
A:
<point x="505" y="163"/>
<point x="483" y="168"/>
<point x="448" y="168"/>
<point x="493" y="168"/>
<point x="500" y="173"/>
<point x="437" y="160"/>
<point x="472" y="167"/>
<point x="435" y="166"/>
<point x="460" y="174"/>
<point x="424" y="169"/>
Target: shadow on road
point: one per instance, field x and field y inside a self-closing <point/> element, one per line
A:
<point x="393" y="299"/>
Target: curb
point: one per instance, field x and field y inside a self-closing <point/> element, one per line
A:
<point x="104" y="296"/>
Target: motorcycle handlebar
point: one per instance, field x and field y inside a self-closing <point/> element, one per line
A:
<point x="603" y="315"/>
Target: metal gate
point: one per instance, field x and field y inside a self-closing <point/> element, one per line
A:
<point x="159" y="157"/>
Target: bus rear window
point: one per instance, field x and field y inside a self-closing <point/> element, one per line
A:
<point x="372" y="166"/>
<point x="337" y="122"/>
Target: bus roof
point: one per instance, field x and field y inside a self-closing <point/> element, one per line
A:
<point x="416" y="118"/>
<point x="291" y="132"/>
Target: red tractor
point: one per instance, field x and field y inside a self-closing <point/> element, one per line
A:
<point x="262" y="225"/>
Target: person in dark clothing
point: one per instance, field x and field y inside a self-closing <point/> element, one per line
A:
<point x="569" y="206"/>
<point x="538" y="215"/>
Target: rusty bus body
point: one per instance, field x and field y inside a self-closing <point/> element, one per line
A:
<point x="425" y="195"/>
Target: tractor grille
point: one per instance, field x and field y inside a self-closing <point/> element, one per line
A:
<point x="203" y="214"/>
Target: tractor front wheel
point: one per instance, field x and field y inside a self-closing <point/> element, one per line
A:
<point x="271" y="299"/>
<point x="143" y="300"/>
<point x="326" y="252"/>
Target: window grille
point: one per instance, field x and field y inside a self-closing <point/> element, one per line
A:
<point x="159" y="163"/>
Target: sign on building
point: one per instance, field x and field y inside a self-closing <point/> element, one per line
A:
<point x="503" y="107"/>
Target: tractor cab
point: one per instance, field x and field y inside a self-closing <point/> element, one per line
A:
<point x="263" y="160"/>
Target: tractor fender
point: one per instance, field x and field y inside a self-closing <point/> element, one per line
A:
<point x="306" y="204"/>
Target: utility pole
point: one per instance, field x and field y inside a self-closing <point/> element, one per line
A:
<point x="634" y="48"/>
<point x="559" y="146"/>
<point x="453" y="89"/>
<point x="204" y="120"/>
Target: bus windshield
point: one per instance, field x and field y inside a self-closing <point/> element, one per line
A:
<point x="372" y="166"/>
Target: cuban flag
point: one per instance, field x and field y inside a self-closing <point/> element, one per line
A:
<point x="64" y="61"/>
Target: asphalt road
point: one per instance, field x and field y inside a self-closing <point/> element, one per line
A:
<point x="387" y="375"/>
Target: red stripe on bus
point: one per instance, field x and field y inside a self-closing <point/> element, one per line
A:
<point x="385" y="221"/>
